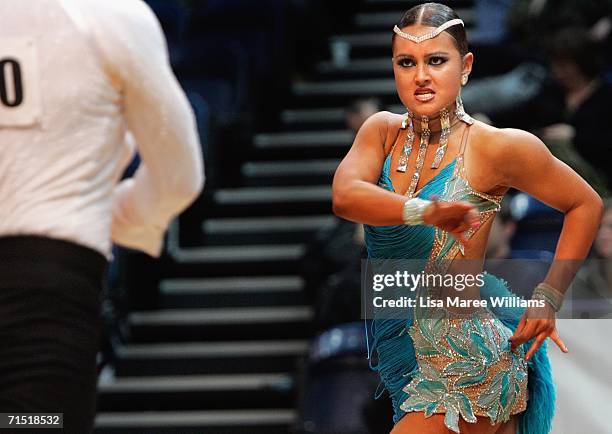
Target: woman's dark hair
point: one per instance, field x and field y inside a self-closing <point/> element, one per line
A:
<point x="434" y="15"/>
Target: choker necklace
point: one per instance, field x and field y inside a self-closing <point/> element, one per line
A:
<point x="425" y="135"/>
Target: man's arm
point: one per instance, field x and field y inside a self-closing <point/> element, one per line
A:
<point x="158" y="114"/>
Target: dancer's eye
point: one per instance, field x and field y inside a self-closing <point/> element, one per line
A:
<point x="405" y="62"/>
<point x="437" y="60"/>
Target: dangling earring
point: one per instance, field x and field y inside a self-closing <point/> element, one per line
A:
<point x="407" y="150"/>
<point x="460" y="112"/>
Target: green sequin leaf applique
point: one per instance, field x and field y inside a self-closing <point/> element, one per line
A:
<point x="431" y="409"/>
<point x="429" y="372"/>
<point x="465" y="406"/>
<point x="505" y="390"/>
<point x="472" y="380"/>
<point x="462" y="367"/>
<point x="451" y="419"/>
<point x="433" y="325"/>
<point x="431" y="391"/>
<point x="457" y="346"/>
<point x="424" y="347"/>
<point x="479" y="349"/>
<point x="414" y="403"/>
<point x="497" y="351"/>
<point x="489" y="398"/>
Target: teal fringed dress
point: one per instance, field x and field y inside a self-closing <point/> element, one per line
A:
<point x="460" y="367"/>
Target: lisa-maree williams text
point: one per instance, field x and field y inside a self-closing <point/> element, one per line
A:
<point x="459" y="282"/>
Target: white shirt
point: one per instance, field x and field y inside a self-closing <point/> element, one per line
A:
<point x="75" y="76"/>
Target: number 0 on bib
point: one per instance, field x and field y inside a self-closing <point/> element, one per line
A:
<point x="20" y="104"/>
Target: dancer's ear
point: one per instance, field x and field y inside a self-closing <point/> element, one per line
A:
<point x="468" y="61"/>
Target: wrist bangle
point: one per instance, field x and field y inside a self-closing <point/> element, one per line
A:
<point x="545" y="292"/>
<point x="414" y="208"/>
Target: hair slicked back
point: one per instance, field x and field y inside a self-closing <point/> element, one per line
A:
<point x="434" y="15"/>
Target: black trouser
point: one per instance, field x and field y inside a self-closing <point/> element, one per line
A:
<point x="50" y="296"/>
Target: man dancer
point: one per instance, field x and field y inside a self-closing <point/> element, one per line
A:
<point x="75" y="75"/>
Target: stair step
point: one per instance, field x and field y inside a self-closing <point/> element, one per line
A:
<point x="376" y="39"/>
<point x="253" y="195"/>
<point x="232" y="291"/>
<point x="194" y="392"/>
<point x="230" y="316"/>
<point x="320" y="116"/>
<point x="297" y="139"/>
<point x="168" y="351"/>
<point x="220" y="324"/>
<point x="232" y="285"/>
<point x="387" y="19"/>
<point x="289" y="168"/>
<point x="283" y="229"/>
<point x="374" y="86"/>
<point x="293" y="116"/>
<point x="252" y="259"/>
<point x="238" y="254"/>
<point x="200" y="383"/>
<point x="209" y="358"/>
<point x="271" y="201"/>
<point x="253" y="421"/>
<point x="266" y="224"/>
<point x="378" y="66"/>
<point x="289" y="173"/>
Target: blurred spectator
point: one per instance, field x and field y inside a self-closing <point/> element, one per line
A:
<point x="590" y="296"/>
<point x="584" y="120"/>
<point x="502" y="230"/>
<point x="531" y="22"/>
<point x="359" y="110"/>
<point x="521" y="269"/>
<point x="490" y="23"/>
<point x="529" y="25"/>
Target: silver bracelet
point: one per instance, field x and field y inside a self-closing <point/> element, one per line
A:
<point x="553" y="296"/>
<point x="414" y="208"/>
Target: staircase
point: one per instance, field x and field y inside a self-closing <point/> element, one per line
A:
<point x="219" y="356"/>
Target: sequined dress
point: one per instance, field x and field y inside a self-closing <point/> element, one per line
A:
<point x="436" y="362"/>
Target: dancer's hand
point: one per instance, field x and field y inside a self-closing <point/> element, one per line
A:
<point x="452" y="217"/>
<point x="538" y="322"/>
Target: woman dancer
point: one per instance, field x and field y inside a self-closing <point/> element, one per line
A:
<point x="427" y="185"/>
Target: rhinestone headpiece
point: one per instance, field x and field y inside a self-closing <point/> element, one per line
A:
<point x="435" y="32"/>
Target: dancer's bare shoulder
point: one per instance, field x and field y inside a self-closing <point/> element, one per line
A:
<point x="509" y="150"/>
<point x="386" y="125"/>
<point x="365" y="158"/>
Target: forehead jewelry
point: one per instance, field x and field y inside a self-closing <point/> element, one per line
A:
<point x="435" y="32"/>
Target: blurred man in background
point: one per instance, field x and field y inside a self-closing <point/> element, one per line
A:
<point x="74" y="77"/>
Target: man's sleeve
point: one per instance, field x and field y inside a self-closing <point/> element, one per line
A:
<point x="158" y="114"/>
